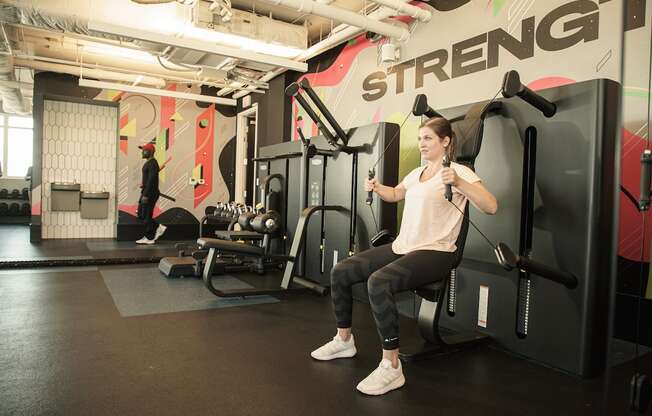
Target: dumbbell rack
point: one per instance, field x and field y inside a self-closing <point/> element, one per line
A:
<point x="11" y="216"/>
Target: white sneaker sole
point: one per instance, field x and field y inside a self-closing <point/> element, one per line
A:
<point x="342" y="354"/>
<point x="396" y="384"/>
<point x="158" y="234"/>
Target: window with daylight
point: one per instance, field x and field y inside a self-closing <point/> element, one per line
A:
<point x="16" y="144"/>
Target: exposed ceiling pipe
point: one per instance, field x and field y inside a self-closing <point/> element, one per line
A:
<point x="340" y="34"/>
<point x="153" y="1"/>
<point x="90" y="72"/>
<point x="345" y="16"/>
<point x="406" y="9"/>
<point x="72" y="68"/>
<point x="184" y="2"/>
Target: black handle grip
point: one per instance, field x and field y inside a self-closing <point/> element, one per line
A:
<point x="448" y="192"/>
<point x="646" y="160"/>
<point x="302" y="137"/>
<point x="512" y="86"/>
<point x="510" y="261"/>
<point x="565" y="278"/>
<point x="546" y="107"/>
<point x="370" y="194"/>
<point x="421" y="107"/>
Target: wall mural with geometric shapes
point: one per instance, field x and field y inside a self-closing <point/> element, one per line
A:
<point x="189" y="139"/>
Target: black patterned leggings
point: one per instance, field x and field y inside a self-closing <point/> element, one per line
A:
<point x="386" y="274"/>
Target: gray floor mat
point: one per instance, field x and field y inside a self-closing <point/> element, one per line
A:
<point x="144" y="291"/>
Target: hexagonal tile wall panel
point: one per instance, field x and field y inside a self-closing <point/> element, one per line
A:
<point x="80" y="145"/>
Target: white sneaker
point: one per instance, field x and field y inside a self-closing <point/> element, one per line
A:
<point x="383" y="379"/>
<point x="160" y="231"/>
<point x="335" y="349"/>
<point x="145" y="240"/>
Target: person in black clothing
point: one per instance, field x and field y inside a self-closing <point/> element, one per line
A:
<point x="148" y="197"/>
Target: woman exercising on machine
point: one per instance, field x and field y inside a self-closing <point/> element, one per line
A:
<point x="422" y="253"/>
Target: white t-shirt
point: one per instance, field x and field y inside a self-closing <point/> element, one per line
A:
<point x="429" y="221"/>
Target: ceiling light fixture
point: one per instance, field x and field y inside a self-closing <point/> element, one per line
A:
<point x="120" y="52"/>
<point x="253" y="45"/>
<point x="203" y="44"/>
<point x="153" y="91"/>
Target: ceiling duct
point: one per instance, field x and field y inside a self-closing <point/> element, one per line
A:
<point x="13" y="101"/>
<point x="251" y="26"/>
<point x="30" y="16"/>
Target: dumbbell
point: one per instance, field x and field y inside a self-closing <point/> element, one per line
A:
<point x="25" y="193"/>
<point x="228" y="210"/>
<point x="26" y="209"/>
<point x="15" y="194"/>
<point x="14" y="209"/>
<point x="244" y="220"/>
<point x="266" y="223"/>
<point x="4" y="209"/>
<point x="218" y="209"/>
<point x="4" y="193"/>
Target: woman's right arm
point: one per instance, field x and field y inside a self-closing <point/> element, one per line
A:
<point x="386" y="193"/>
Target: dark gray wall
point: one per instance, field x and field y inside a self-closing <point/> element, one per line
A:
<point x="273" y="112"/>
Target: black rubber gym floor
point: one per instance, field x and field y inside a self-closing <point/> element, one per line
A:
<point x="14" y="245"/>
<point x="65" y="349"/>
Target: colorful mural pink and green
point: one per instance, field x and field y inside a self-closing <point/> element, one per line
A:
<point x="189" y="138"/>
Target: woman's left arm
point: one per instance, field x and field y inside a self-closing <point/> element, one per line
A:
<point x="476" y="192"/>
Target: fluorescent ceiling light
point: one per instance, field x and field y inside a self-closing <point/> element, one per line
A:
<point x="196" y="45"/>
<point x="120" y="52"/>
<point x="153" y="91"/>
<point x="241" y="42"/>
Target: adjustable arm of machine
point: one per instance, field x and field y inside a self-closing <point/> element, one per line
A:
<point x="512" y="86"/>
<point x="510" y="261"/>
<point x="311" y="149"/>
<point x="421" y="107"/>
<point x="293" y="90"/>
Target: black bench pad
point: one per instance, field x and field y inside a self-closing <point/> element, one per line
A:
<point x="230" y="246"/>
<point x="238" y="235"/>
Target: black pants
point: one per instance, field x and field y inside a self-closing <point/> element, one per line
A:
<point x="386" y="274"/>
<point x="148" y="212"/>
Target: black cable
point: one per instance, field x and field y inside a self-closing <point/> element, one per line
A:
<point x="493" y="246"/>
<point x="630" y="197"/>
<point x="373" y="215"/>
<point x="398" y="132"/>
<point x="390" y="141"/>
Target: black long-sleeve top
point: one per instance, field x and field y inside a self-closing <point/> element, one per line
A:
<point x="150" y="179"/>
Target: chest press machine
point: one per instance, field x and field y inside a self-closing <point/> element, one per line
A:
<point x="469" y="130"/>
